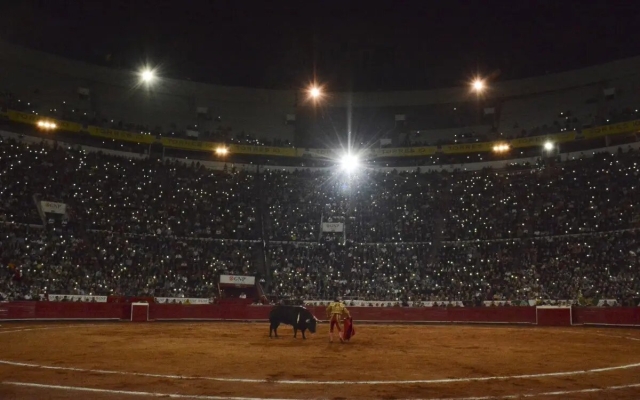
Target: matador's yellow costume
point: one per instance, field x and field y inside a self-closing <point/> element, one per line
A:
<point x="335" y="312"/>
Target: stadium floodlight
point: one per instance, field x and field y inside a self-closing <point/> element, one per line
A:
<point x="147" y="75"/>
<point x="222" y="151"/>
<point x="478" y="85"/>
<point x="548" y="146"/>
<point x="47" y="125"/>
<point x="501" y="148"/>
<point x="315" y="92"/>
<point x="349" y="162"/>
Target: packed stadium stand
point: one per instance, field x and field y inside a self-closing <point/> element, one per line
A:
<point x="139" y="224"/>
<point x="140" y="227"/>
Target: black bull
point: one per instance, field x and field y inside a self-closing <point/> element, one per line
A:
<point x="298" y="317"/>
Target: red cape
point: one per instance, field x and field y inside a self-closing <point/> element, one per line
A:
<point x="349" y="330"/>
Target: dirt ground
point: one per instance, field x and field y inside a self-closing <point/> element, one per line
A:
<point x="238" y="360"/>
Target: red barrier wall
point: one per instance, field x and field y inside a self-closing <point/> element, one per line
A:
<point x="210" y="311"/>
<point x="55" y="310"/>
<point x="607" y="316"/>
<point x="505" y="315"/>
<point x="554" y="316"/>
<point x="122" y="311"/>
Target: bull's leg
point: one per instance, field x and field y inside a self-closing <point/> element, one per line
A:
<point x="303" y="336"/>
<point x="295" y="332"/>
<point x="274" y="328"/>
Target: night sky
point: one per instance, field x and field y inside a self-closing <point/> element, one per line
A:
<point x="347" y="45"/>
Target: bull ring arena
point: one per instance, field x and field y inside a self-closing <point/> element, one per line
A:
<point x="486" y="237"/>
<point x="525" y="353"/>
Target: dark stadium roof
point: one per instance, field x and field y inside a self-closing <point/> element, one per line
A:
<point x="352" y="45"/>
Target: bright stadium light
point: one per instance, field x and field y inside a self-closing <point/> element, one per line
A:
<point x="478" y="85"/>
<point x="501" y="148"/>
<point x="315" y="92"/>
<point x="222" y="151"/>
<point x="47" y="125"/>
<point x="548" y="146"/>
<point x="349" y="162"/>
<point x="147" y="75"/>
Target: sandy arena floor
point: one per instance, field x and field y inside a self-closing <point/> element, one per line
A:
<point x="239" y="361"/>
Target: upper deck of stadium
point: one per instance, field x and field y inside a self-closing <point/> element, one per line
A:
<point x="574" y="103"/>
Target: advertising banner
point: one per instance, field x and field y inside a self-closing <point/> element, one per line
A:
<point x="181" y="300"/>
<point x="534" y="141"/>
<point x="614" y="129"/>
<point x="403" y="151"/>
<point x="33" y="119"/>
<point x="238" y="280"/>
<point x="530" y="302"/>
<point x="389" y="303"/>
<point x="116" y="134"/>
<point x="262" y="150"/>
<point x="607" y="303"/>
<point x="332" y="227"/>
<point x="77" y="298"/>
<point x="51" y="207"/>
<point x="189" y="144"/>
<point x="467" y="148"/>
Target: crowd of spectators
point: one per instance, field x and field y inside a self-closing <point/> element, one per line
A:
<point x="586" y="195"/>
<point x="137" y="226"/>
<point x="585" y="268"/>
<point x="299" y="201"/>
<point x="37" y="261"/>
<point x="589" y="266"/>
<point x="332" y="268"/>
<point x="128" y="195"/>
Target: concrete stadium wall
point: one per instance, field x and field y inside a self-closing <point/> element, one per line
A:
<point x="26" y="311"/>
